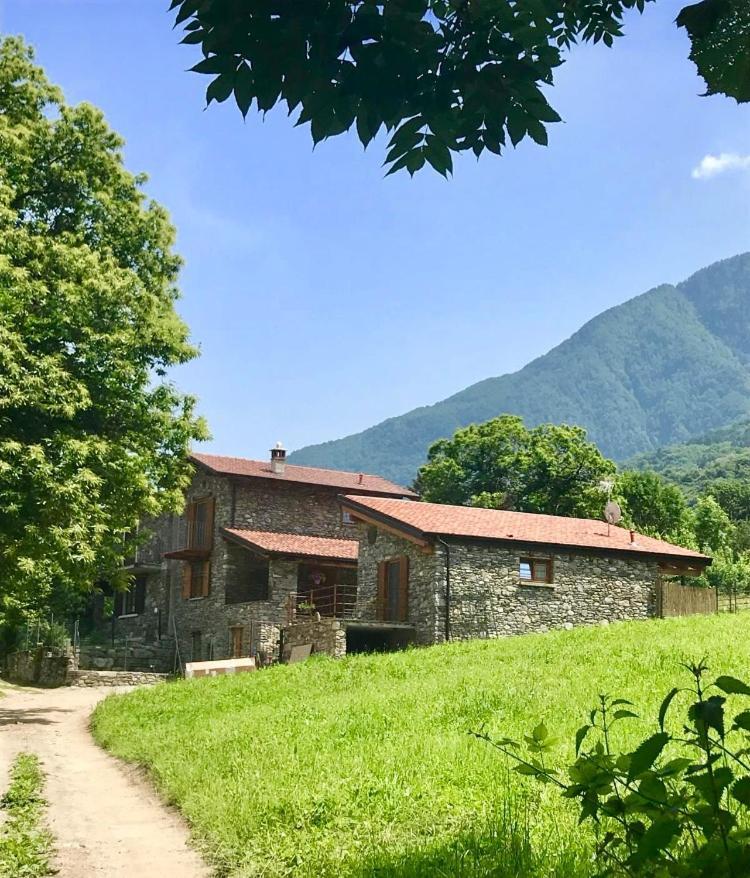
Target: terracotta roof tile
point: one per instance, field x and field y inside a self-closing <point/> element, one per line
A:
<point x="295" y="544"/>
<point x="523" y="527"/>
<point x="307" y="475"/>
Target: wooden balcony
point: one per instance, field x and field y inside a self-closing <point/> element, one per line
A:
<point x="199" y="532"/>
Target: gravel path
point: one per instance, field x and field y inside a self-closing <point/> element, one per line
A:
<point x="106" y="820"/>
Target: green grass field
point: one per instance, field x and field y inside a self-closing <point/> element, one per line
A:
<point x="364" y="767"/>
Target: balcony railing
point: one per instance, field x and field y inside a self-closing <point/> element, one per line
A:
<point x="330" y="601"/>
<point x="339" y="602"/>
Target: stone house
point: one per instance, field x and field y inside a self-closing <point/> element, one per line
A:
<point x="458" y="572"/>
<point x="259" y="543"/>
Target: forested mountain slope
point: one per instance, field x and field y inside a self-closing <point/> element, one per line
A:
<point x="694" y="465"/>
<point x="664" y="367"/>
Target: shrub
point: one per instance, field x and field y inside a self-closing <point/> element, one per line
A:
<point x="676" y="805"/>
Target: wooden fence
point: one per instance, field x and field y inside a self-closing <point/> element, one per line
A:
<point x="674" y="599"/>
<point x="731" y="602"/>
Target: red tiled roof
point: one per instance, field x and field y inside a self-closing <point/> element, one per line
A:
<point x="307" y="475"/>
<point x="295" y="544"/>
<point x="522" y="527"/>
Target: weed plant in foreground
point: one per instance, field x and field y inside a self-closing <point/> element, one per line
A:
<point x="25" y="844"/>
<point x="365" y="766"/>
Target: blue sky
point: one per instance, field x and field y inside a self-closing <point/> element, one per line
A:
<point x="325" y="298"/>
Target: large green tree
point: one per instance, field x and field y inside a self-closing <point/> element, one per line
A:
<point x="653" y="506"/>
<point x="503" y="465"/>
<point x="92" y="437"/>
<point x="442" y="76"/>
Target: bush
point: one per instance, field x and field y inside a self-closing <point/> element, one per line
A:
<point x="676" y="805"/>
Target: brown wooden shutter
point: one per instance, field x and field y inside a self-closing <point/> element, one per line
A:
<point x="210" y="510"/>
<point x="186" y="575"/>
<point x="190" y="517"/>
<point x="403" y="588"/>
<point x="382" y="607"/>
<point x="206" y="578"/>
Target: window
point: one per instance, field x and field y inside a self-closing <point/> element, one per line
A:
<point x="347" y="519"/>
<point x="247" y="576"/>
<point x="196" y="577"/>
<point x="196" y="647"/>
<point x="133" y="601"/>
<point x="535" y="570"/>
<point x="236" y="631"/>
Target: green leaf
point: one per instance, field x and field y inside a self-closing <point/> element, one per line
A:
<point x="624" y="714"/>
<point x="438" y="155"/>
<point x="732" y="686"/>
<point x="220" y="89"/>
<point x="644" y="756"/>
<point x="741" y="791"/>
<point x="244" y="89"/>
<point x="580" y="736"/>
<point x="657" y="838"/>
<point x="742" y="721"/>
<point x="665" y="707"/>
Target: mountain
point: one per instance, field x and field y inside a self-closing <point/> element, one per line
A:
<point x="664" y="367"/>
<point x="720" y="454"/>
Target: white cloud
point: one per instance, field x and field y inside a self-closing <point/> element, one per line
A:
<point x="713" y="165"/>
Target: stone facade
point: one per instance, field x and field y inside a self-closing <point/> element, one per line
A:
<point x="488" y="598"/>
<point x="426" y="602"/>
<point x="202" y="627"/>
<point x="157" y="656"/>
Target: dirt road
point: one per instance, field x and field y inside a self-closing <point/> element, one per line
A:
<point x="105" y="819"/>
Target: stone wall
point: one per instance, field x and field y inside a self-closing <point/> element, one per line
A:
<point x="324" y="635"/>
<point x="251" y="505"/>
<point x="35" y="666"/>
<point x="114" y="678"/>
<point x="157" y="657"/>
<point x="426" y="604"/>
<point x="489" y="600"/>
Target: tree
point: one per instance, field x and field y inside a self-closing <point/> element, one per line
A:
<point x="713" y="529"/>
<point x="503" y="465"/>
<point x="442" y="76"/>
<point x="92" y="437"/>
<point x="651" y="505"/>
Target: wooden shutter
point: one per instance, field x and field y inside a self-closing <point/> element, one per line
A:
<point x="140" y="594"/>
<point x="208" y="540"/>
<point x="206" y="578"/>
<point x="382" y="607"/>
<point x="186" y="575"/>
<point x="403" y="588"/>
<point x="190" y="516"/>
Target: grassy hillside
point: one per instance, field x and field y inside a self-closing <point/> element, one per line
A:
<point x="363" y="767"/>
<point x="666" y="366"/>
<point x="720" y="454"/>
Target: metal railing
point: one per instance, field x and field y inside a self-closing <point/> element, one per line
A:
<point x="330" y="601"/>
<point x="340" y="602"/>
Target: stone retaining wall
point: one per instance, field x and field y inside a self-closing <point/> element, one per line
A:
<point x="324" y="635"/>
<point x="35" y="666"/>
<point x="155" y="657"/>
<point x="114" y="678"/>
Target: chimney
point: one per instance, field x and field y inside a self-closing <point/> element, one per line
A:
<point x="278" y="459"/>
<point x="632" y="536"/>
<point x="361" y="478"/>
